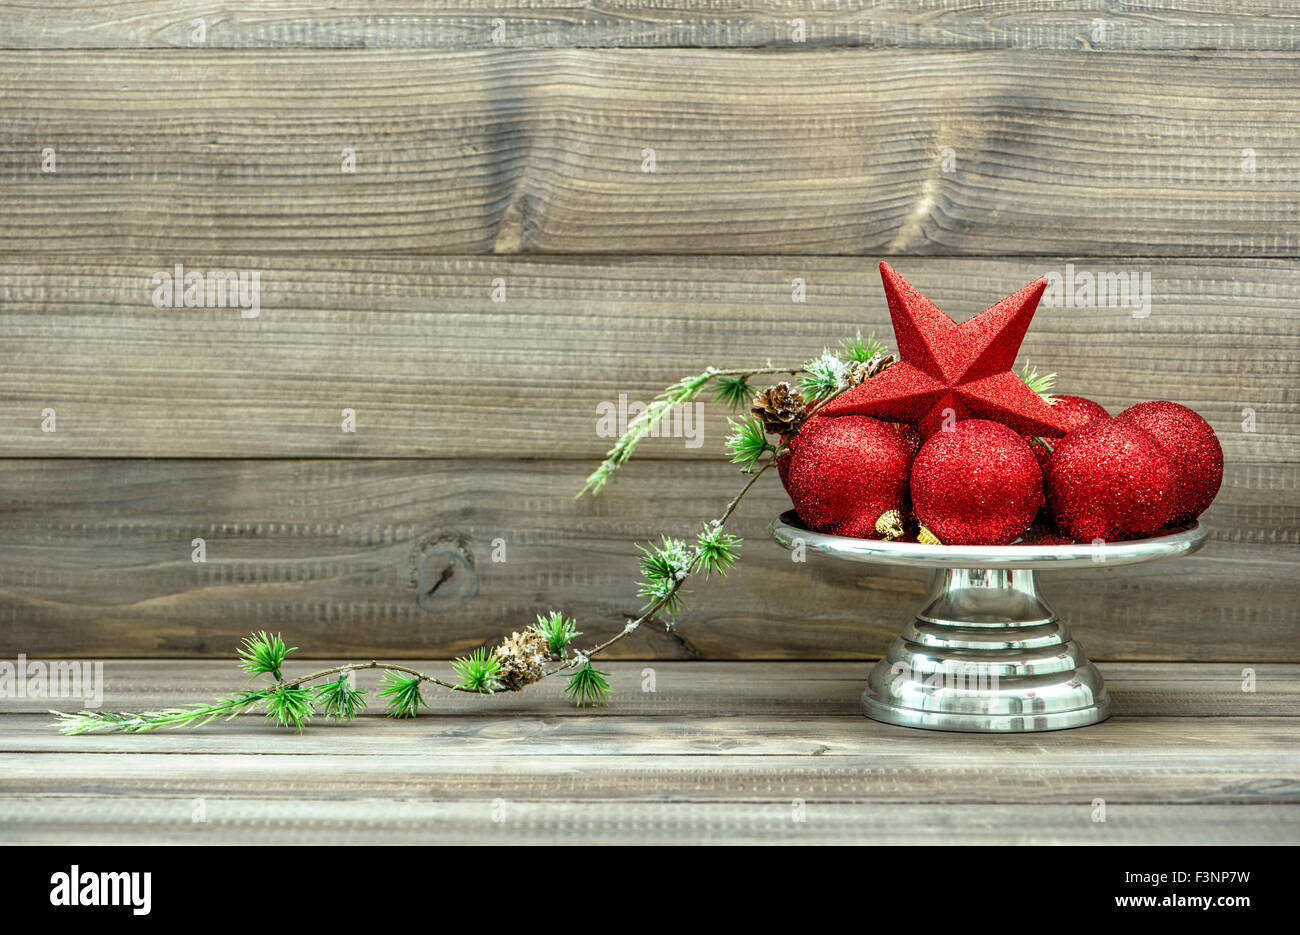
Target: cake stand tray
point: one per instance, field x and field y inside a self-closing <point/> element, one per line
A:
<point x="985" y="652"/>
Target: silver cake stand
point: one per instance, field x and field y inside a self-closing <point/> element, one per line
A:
<point x="985" y="652"/>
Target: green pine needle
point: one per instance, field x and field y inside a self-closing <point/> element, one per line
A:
<point x="262" y="653"/>
<point x="715" y="550"/>
<point x="664" y="566"/>
<point x="860" y="349"/>
<point x="339" y="700"/>
<point x="478" y="672"/>
<point x="670" y="560"/>
<point x="747" y="442"/>
<point x="823" y="376"/>
<point x="123" y="722"/>
<point x="403" y="694"/>
<point x="1039" y="383"/>
<point x="558" y="631"/>
<point x="734" y="392"/>
<point x="588" y="686"/>
<point x="680" y="393"/>
<point x="290" y="706"/>
<point x="666" y="591"/>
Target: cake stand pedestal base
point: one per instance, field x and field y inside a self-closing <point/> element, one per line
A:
<point x="986" y="653"/>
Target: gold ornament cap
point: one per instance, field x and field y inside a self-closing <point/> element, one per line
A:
<point x="890" y="525"/>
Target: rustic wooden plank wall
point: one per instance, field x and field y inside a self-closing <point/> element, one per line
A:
<point x="1251" y="25"/>
<point x="974" y="145"/>
<point x="817" y="151"/>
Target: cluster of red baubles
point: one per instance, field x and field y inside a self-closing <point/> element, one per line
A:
<point x="951" y="439"/>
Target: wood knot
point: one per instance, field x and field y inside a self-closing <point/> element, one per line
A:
<point x="446" y="576"/>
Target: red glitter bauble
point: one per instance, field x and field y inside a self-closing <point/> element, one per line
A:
<point x="1109" y="481"/>
<point x="911" y="436"/>
<point x="1044" y="535"/>
<point x="783" y="463"/>
<point x="1041" y="452"/>
<point x="978" y="484"/>
<point x="843" y="473"/>
<point x="1076" y="412"/>
<point x="1191" y="446"/>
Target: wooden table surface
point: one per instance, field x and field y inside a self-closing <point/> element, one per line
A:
<point x="731" y="752"/>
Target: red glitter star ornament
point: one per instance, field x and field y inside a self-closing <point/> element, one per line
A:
<point x="965" y="368"/>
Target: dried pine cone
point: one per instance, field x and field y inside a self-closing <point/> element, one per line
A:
<point x="523" y="659"/>
<point x="861" y="371"/>
<point x="779" y="408"/>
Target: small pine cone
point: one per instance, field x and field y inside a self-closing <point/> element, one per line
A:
<point x="523" y="659"/>
<point x="779" y="408"/>
<point x="861" y="371"/>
